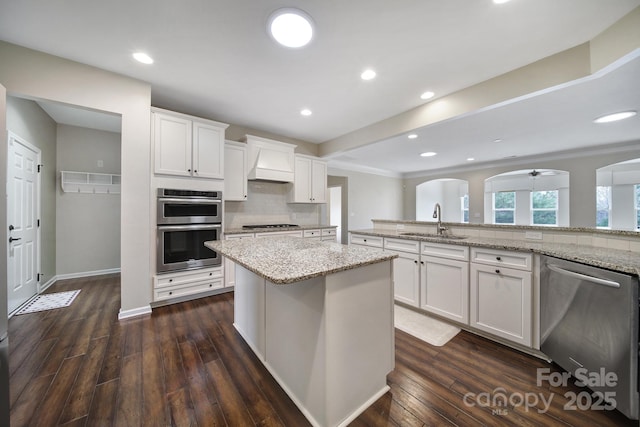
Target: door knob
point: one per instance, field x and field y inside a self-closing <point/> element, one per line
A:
<point x="11" y="227"/>
<point x="11" y="239"/>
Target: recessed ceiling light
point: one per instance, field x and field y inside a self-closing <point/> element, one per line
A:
<point x="368" y="74"/>
<point x="428" y="154"/>
<point x="497" y="140"/>
<point x="501" y="1"/>
<point x="143" y="57"/>
<point x="427" y="95"/>
<point x="615" y="117"/>
<point x="305" y="112"/>
<point x="470" y="159"/>
<point x="290" y="27"/>
<point x="412" y="136"/>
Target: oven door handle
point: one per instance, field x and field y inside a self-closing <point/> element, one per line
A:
<point x="189" y="227"/>
<point x="190" y="201"/>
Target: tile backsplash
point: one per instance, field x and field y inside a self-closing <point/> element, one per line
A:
<point x="267" y="204"/>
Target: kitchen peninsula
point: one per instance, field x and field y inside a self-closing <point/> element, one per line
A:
<point x="319" y="316"/>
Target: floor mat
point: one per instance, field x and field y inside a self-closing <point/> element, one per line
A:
<point x="49" y="302"/>
<point x="423" y="327"/>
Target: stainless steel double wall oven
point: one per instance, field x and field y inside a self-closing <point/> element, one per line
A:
<point x="186" y="219"/>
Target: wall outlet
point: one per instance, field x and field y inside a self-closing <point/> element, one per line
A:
<point x="399" y="226"/>
<point x="533" y="235"/>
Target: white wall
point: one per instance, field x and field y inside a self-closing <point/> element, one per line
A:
<point x="371" y="197"/>
<point x="26" y="119"/>
<point x="38" y="75"/>
<point x="447" y="192"/>
<point x="88" y="225"/>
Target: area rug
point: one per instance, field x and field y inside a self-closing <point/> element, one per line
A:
<point x="424" y="327"/>
<point x="49" y="302"/>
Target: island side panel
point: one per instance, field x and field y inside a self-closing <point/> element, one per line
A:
<point x="360" y="338"/>
<point x="249" y="309"/>
<point x="296" y="344"/>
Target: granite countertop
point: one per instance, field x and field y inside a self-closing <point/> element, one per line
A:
<point x="271" y="230"/>
<point x="611" y="259"/>
<point x="285" y="259"/>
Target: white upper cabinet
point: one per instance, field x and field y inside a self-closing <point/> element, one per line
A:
<point x="310" y="181"/>
<point x="235" y="171"/>
<point x="188" y="146"/>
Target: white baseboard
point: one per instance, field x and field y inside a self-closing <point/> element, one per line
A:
<point x="134" y="312"/>
<point x="42" y="288"/>
<point x="87" y="273"/>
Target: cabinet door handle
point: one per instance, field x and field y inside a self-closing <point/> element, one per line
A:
<point x="415" y="261"/>
<point x="497" y="271"/>
<point x="422" y="262"/>
<point x="498" y="258"/>
<point x="195" y="171"/>
<point x="188" y="170"/>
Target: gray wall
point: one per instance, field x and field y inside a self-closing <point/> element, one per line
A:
<point x="582" y="184"/>
<point x="371" y="197"/>
<point x="27" y="120"/>
<point x="88" y="225"/>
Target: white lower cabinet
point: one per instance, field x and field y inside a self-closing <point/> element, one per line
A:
<point x="490" y="290"/>
<point x="501" y="299"/>
<point x="180" y="284"/>
<point x="230" y="266"/>
<point x="444" y="287"/>
<point x="406" y="278"/>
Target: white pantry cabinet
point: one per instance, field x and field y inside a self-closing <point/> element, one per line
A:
<point x="187" y="146"/>
<point x="310" y="180"/>
<point x="444" y="280"/>
<point x="235" y="171"/>
<point x="501" y="297"/>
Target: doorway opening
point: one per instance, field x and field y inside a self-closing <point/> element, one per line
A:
<point x="337" y="208"/>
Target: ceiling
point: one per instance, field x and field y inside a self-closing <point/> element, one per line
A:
<point x="214" y="59"/>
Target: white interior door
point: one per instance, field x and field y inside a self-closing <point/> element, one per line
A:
<point x="22" y="217"/>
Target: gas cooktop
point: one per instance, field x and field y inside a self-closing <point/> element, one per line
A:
<point x="269" y="226"/>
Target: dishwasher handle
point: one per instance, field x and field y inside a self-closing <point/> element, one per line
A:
<point x="576" y="275"/>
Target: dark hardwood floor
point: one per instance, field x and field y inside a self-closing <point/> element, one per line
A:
<point x="185" y="365"/>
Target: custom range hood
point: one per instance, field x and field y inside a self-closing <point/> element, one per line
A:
<point x="269" y="160"/>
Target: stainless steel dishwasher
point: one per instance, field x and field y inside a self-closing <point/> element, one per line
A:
<point x="589" y="321"/>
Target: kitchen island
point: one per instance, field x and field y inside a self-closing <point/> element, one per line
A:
<point x="319" y="316"/>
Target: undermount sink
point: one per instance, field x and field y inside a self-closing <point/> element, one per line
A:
<point x="435" y="236"/>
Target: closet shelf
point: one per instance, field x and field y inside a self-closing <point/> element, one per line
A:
<point x="89" y="182"/>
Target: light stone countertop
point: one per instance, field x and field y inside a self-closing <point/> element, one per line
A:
<point x="268" y="230"/>
<point x="285" y="259"/>
<point x="611" y="259"/>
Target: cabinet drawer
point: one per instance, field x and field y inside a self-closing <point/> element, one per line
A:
<point x="403" y="245"/>
<point x="445" y="251"/>
<point x="328" y="238"/>
<point x="328" y="232"/>
<point x="519" y="260"/>
<point x="312" y="233"/>
<point x="280" y="233"/>
<point x="373" y="241"/>
<point x="177" y="279"/>
<point x="187" y="289"/>
<point x="238" y="236"/>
